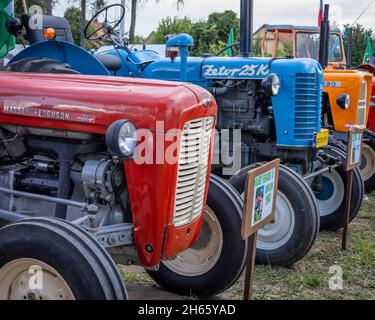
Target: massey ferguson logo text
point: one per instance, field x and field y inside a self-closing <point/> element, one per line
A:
<point x="251" y="70"/>
<point x="35" y="112"/>
<point x="31" y="110"/>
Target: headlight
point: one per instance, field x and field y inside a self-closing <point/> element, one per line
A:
<point x="121" y="138"/>
<point x="344" y="101"/>
<point x="271" y="85"/>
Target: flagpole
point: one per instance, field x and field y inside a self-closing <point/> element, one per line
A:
<point x="122" y="25"/>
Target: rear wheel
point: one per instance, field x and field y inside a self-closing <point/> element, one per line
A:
<point x="39" y="66"/>
<point x="331" y="199"/>
<point x="50" y="259"/>
<point x="217" y="260"/>
<point x="290" y="237"/>
<point x="368" y="164"/>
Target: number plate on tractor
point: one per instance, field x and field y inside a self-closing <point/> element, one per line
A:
<point x="321" y="138"/>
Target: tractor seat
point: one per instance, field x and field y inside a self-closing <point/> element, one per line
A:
<point x="111" y="62"/>
<point x="35" y="35"/>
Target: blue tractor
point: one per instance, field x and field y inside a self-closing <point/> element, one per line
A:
<point x="268" y="108"/>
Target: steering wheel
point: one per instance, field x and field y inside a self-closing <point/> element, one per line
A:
<point x="103" y="21"/>
<point x="231" y="47"/>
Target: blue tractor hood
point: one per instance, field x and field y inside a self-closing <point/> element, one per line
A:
<point x="203" y="69"/>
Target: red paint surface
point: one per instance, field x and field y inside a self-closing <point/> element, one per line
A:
<point x="371" y="119"/>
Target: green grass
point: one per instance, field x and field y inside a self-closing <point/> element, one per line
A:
<point x="309" y="278"/>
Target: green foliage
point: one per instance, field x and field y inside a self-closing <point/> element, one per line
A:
<point x="172" y="26"/>
<point x="73" y="14"/>
<point x="287" y="50"/>
<point x="359" y="42"/>
<point x="47" y="5"/>
<point x="209" y="36"/>
<point x="139" y="40"/>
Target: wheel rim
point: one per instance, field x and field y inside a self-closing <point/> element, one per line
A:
<point x="368" y="162"/>
<point x="17" y="282"/>
<point x="279" y="232"/>
<point x="204" y="255"/>
<point x="332" y="195"/>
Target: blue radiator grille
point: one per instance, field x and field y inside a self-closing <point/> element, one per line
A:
<point x="308" y="106"/>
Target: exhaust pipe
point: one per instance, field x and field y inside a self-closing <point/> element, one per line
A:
<point x="349" y="47"/>
<point x="246" y="28"/>
<point x="324" y="38"/>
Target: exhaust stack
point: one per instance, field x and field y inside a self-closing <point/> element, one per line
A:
<point x="246" y="28"/>
<point x="324" y="38"/>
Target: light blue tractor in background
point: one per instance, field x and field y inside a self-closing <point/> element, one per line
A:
<point x="275" y="105"/>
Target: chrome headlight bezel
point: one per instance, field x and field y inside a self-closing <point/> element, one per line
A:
<point x="271" y="85"/>
<point x="343" y="101"/>
<point x="121" y="138"/>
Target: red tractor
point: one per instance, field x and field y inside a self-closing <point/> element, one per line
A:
<point x="76" y="184"/>
<point x="370" y="141"/>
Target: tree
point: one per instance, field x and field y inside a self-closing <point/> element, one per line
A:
<point x="359" y="42"/>
<point x="223" y="22"/>
<point x="46" y="5"/>
<point x="82" y="22"/>
<point x="133" y="15"/>
<point x="172" y="26"/>
<point x="209" y="36"/>
<point x="96" y="5"/>
<point x="73" y="14"/>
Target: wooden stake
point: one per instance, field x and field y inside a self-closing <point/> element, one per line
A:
<point x="251" y="253"/>
<point x="348" y="204"/>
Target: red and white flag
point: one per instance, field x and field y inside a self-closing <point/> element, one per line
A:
<point x="320" y="17"/>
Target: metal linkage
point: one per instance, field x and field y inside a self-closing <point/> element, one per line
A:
<point x="320" y="172"/>
<point x="91" y="208"/>
<point x="114" y="235"/>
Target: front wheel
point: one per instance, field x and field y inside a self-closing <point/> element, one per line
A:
<point x="291" y="235"/>
<point x="331" y="197"/>
<point x="218" y="258"/>
<point x="50" y="259"/>
<point x="368" y="163"/>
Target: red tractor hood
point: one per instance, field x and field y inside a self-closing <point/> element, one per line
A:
<point x="90" y="103"/>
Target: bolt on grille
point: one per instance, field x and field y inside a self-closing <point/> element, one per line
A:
<point x="307" y="115"/>
<point x="192" y="170"/>
<point x="361" y="117"/>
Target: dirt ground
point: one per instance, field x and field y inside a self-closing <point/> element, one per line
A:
<point x="309" y="279"/>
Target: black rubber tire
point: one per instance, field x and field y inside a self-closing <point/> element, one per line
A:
<point x="39" y="66"/>
<point x="82" y="262"/>
<point x="369" y="182"/>
<point x="227" y="205"/>
<point x="306" y="217"/>
<point x="335" y="220"/>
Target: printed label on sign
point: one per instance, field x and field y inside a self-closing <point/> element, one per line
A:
<point x="355" y="152"/>
<point x="263" y="196"/>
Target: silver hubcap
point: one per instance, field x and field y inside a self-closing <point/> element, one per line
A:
<point x="329" y="204"/>
<point x="29" y="279"/>
<point x="278" y="233"/>
<point x="368" y="164"/>
<point x="204" y="255"/>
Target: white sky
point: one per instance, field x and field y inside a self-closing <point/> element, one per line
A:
<point x="303" y="12"/>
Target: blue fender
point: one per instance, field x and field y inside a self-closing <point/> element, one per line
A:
<point x="65" y="52"/>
